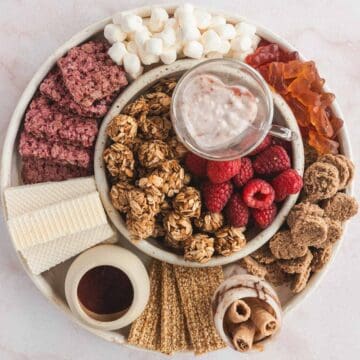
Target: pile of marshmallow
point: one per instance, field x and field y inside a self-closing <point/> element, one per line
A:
<point x="192" y="33"/>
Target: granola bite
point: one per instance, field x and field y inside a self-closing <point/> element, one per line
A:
<point x="119" y="161"/>
<point x="152" y="153"/>
<point x="300" y="281"/>
<point x="122" y="129"/>
<point x="159" y="230"/>
<point x="229" y="240"/>
<point x="295" y="266"/>
<point x="152" y="185"/>
<point x="155" y="127"/>
<point x="341" y="207"/>
<point x="188" y="202"/>
<point x="173" y="175"/>
<point x="283" y="246"/>
<point x="178" y="227"/>
<point x="178" y="150"/>
<point x="310" y="230"/>
<point x="302" y="210"/>
<point x="140" y="228"/>
<point x="342" y="167"/>
<point x="209" y="222"/>
<point x="321" y="181"/>
<point x="199" y="248"/>
<point x="136" y="107"/>
<point x="263" y="255"/>
<point x="141" y="203"/>
<point x="118" y="196"/>
<point x="174" y="244"/>
<point x="320" y="257"/>
<point x="276" y="275"/>
<point x="253" y="267"/>
<point x="158" y="102"/>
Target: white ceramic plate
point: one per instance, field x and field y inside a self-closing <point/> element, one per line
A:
<point x="51" y="283"/>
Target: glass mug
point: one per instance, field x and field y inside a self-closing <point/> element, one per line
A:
<point x="231" y="74"/>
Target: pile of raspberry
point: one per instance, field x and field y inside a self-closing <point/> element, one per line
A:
<point x="251" y="189"/>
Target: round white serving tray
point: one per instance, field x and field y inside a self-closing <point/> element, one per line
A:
<point x="51" y="283"/>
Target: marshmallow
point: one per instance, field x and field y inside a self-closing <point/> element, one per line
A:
<point x="211" y="41"/>
<point x="190" y="33"/>
<point x="118" y="18"/>
<point x="214" y="55"/>
<point x="117" y="52"/>
<point x="217" y="20"/>
<point x="241" y="43"/>
<point x="135" y="75"/>
<point x="131" y="63"/>
<point x="154" y="46"/>
<point x="245" y="28"/>
<point x="169" y="55"/>
<point x="130" y="23"/>
<point x="141" y="36"/>
<point x="171" y="23"/>
<point x="113" y="33"/>
<point x="193" y="49"/>
<point x="148" y="59"/>
<point x="158" y="19"/>
<point x="187" y="20"/>
<point x="168" y="36"/>
<point x="255" y="40"/>
<point x="225" y="47"/>
<point x="241" y="55"/>
<point x="203" y="19"/>
<point x="184" y="9"/>
<point x="225" y="31"/>
<point x="131" y="47"/>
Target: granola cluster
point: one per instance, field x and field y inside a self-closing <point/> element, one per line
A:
<point x="151" y="188"/>
<point x="313" y="226"/>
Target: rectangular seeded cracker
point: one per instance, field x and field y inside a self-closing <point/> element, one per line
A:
<point x="196" y="287"/>
<point x="145" y="330"/>
<point x="174" y="333"/>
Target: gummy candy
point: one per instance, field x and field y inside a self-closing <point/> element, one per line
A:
<point x="302" y="87"/>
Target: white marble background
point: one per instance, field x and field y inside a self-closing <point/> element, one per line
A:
<point x="327" y="325"/>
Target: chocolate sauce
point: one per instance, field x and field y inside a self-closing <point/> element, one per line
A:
<point x="105" y="290"/>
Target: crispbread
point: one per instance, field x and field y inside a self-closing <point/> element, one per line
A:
<point x="196" y="287"/>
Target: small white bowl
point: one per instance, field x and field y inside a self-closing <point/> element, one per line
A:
<point x="151" y="247"/>
<point x="108" y="255"/>
<point x="240" y="287"/>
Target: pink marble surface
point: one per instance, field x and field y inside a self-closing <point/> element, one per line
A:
<point x="327" y="325"/>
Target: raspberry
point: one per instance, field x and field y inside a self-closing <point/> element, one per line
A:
<point x="246" y="173"/>
<point x="237" y="213"/>
<point x="258" y="194"/>
<point x="285" y="144"/>
<point x="265" y="143"/>
<point x="221" y="171"/>
<point x="272" y="160"/>
<point x="195" y="164"/>
<point x="287" y="183"/>
<point x="216" y="195"/>
<point x="264" y="217"/>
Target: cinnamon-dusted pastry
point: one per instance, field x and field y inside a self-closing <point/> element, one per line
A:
<point x="341" y="207"/>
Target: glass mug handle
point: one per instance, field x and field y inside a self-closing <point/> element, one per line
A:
<point x="282" y="133"/>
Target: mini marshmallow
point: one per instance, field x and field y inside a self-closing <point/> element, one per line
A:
<point x="118" y="18"/>
<point x="217" y="20"/>
<point x="187" y="20"/>
<point x="245" y="28"/>
<point x="135" y="75"/>
<point x="189" y="33"/>
<point x="131" y="23"/>
<point x="225" y="31"/>
<point x="211" y="41"/>
<point x="141" y="36"/>
<point x="171" y="23"/>
<point x="169" y="55"/>
<point x="214" y="55"/>
<point x="154" y="46"/>
<point x="168" y="36"/>
<point x="203" y="19"/>
<point x="117" y="52"/>
<point x="131" y="47"/>
<point x="241" y="55"/>
<point x="241" y="43"/>
<point x="131" y="63"/>
<point x="148" y="59"/>
<point x="193" y="49"/>
<point x="158" y="19"/>
<point x="113" y="33"/>
<point x="255" y="40"/>
<point x="225" y="47"/>
<point x="183" y="9"/>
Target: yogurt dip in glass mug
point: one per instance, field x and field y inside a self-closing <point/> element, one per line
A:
<point x="222" y="109"/>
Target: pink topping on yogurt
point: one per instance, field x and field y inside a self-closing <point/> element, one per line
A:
<point x="214" y="113"/>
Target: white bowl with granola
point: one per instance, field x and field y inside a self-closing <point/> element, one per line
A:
<point x="139" y="178"/>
